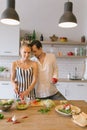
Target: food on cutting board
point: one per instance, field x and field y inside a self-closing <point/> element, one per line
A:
<point x="49" y="103"/>
<point x="80" y="119"/>
<point x="36" y="102"/>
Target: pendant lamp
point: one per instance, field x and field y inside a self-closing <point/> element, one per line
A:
<point x="68" y="19"/>
<point x="10" y="16"/>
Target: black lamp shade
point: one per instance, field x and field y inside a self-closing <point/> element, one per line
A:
<point x="68" y="19"/>
<point x="10" y="16"/>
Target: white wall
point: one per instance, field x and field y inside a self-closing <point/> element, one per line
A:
<point x="43" y="16"/>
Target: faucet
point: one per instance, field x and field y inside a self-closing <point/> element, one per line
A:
<point x="75" y="72"/>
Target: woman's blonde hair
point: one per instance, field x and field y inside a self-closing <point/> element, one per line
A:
<point x="25" y="45"/>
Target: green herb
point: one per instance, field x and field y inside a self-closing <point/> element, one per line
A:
<point x="1" y="116"/>
<point x="44" y="110"/>
<point x="38" y="100"/>
<point x="65" y="111"/>
<point x="2" y="69"/>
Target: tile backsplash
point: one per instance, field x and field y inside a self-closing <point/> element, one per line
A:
<point x="65" y="65"/>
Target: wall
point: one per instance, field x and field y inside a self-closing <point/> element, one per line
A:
<point x="43" y="16"/>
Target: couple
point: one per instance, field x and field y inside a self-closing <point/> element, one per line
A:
<point x="35" y="79"/>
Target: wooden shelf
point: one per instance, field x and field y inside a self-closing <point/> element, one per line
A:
<point x="64" y="43"/>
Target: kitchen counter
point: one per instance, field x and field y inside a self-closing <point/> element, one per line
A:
<point x="60" y="79"/>
<point x="37" y="121"/>
<point x="68" y="80"/>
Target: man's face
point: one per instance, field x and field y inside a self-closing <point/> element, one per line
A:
<point x="37" y="52"/>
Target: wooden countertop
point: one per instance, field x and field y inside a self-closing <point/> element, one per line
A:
<point x="37" y="121"/>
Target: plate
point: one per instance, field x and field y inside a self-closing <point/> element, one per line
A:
<point x="74" y="110"/>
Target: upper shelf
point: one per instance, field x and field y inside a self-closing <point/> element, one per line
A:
<point x="64" y="43"/>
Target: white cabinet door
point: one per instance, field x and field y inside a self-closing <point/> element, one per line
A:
<point x="6" y="90"/>
<point x="9" y="40"/>
<point x="73" y="91"/>
<point x="76" y="91"/>
<point x="61" y="88"/>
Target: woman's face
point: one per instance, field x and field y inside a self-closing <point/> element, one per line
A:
<point x="25" y="52"/>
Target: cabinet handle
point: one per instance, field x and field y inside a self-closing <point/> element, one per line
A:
<point x="66" y="92"/>
<point x="5" y="84"/>
<point x="80" y="85"/>
<point x="7" y="52"/>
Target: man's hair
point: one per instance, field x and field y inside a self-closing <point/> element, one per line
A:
<point x="37" y="43"/>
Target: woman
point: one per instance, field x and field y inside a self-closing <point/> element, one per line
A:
<point x="24" y="73"/>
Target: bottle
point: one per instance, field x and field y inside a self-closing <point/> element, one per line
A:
<point x="83" y="39"/>
<point x="69" y="76"/>
<point x="41" y="37"/>
<point x="76" y="51"/>
<point x="34" y="35"/>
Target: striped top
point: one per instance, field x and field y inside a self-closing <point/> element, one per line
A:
<point x="24" y="78"/>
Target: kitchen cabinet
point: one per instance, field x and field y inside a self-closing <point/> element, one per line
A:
<point x="9" y="40"/>
<point x="73" y="90"/>
<point x="6" y="90"/>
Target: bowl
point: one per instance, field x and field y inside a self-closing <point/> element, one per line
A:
<point x="6" y="104"/>
<point x="54" y="38"/>
<point x="22" y="104"/>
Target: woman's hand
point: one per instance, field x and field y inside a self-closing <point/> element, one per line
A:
<point x="23" y="94"/>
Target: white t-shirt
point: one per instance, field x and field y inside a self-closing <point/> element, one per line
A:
<point x="47" y="71"/>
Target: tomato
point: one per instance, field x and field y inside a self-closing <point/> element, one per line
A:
<point x="54" y="80"/>
<point x="35" y="101"/>
<point x="67" y="106"/>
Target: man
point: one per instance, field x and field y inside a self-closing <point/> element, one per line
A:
<point x="48" y="73"/>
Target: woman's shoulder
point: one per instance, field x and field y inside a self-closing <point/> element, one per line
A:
<point x="33" y="62"/>
<point x="15" y="63"/>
